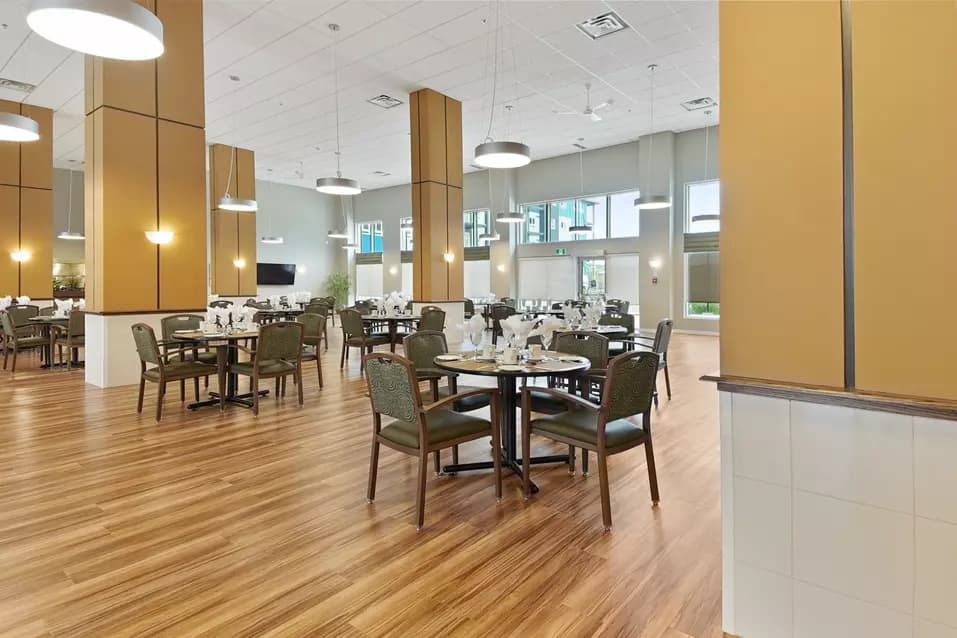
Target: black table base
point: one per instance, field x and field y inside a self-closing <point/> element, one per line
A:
<point x="245" y="400"/>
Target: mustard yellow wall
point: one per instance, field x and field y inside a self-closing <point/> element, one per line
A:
<point x="232" y="235"/>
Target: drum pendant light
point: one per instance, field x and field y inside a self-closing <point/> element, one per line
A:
<point x="583" y="227"/>
<point x="227" y="202"/>
<point x="652" y="201"/>
<point x="117" y="29"/>
<point x="269" y="238"/>
<point x="337" y="185"/>
<point x="18" y="128"/>
<point x="68" y="233"/>
<point x="706" y="217"/>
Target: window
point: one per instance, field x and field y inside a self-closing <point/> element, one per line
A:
<point x="703" y="207"/>
<point x="592" y="278"/>
<point x="623" y="216"/>
<point x="405" y="233"/>
<point x="594" y="211"/>
<point x="609" y="216"/>
<point x="702" y="291"/>
<point x="475" y="223"/>
<point x="370" y="237"/>
<point x="535" y="223"/>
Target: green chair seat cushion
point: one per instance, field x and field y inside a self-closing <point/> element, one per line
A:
<point x="77" y="341"/>
<point x="181" y="370"/>
<point x="266" y="368"/>
<point x="582" y="425"/>
<point x="187" y="355"/>
<point x="31" y="342"/>
<point x="467" y="404"/>
<point x="544" y="403"/>
<point x="442" y="425"/>
<point x="369" y="341"/>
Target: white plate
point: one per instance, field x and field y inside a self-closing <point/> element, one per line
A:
<point x="179" y="332"/>
<point x="449" y="357"/>
<point x="511" y="368"/>
<point x="571" y="359"/>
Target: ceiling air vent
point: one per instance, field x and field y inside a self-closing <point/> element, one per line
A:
<point x="381" y="173"/>
<point x="700" y="103"/>
<point x="600" y="26"/>
<point x="385" y="101"/>
<point x="14" y="85"/>
<point x="580" y="147"/>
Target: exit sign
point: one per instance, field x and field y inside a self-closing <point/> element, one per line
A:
<point x="561" y="251"/>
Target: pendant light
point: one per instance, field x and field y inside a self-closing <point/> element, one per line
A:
<point x="650" y="201"/>
<point x="270" y="238"/>
<point x="117" y="29"/>
<point x="18" y="128"/>
<point x="68" y="233"/>
<point x="339" y="232"/>
<point x="337" y="185"/>
<point x="489" y="235"/>
<point x="507" y="216"/>
<point x="491" y="153"/>
<point x="706" y="217"/>
<point x="226" y="202"/>
<point x="582" y="228"/>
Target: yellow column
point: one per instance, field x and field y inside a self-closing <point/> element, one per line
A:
<point x="436" y="128"/>
<point x="232" y="234"/>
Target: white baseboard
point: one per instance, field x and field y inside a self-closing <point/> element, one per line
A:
<point x="705" y="333"/>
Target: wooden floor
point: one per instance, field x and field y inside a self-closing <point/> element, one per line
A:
<point x="230" y="525"/>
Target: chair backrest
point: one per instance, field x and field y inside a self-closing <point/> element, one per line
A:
<point x="279" y="340"/>
<point x="313" y="325"/>
<point x="363" y="306"/>
<point x="662" y="336"/>
<point x="76" y="326"/>
<point x="423" y="347"/>
<point x="47" y="311"/>
<point x="6" y="323"/>
<point x="628" y="321"/>
<point x="623" y="307"/>
<point x="393" y="388"/>
<point x="509" y="301"/>
<point x="433" y="318"/>
<point x="500" y="311"/>
<point x="21" y="313"/>
<point x="557" y="305"/>
<point x="351" y="321"/>
<point x="171" y="324"/>
<point x="629" y="385"/>
<point x="318" y="308"/>
<point x="222" y="303"/>
<point x="590" y="345"/>
<point x="146" y="346"/>
<point x="469" y="307"/>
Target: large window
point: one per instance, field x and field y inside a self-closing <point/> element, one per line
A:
<point x="370" y="237"/>
<point x="609" y="216"/>
<point x="703" y="207"/>
<point x="405" y="233"/>
<point x="592" y="278"/>
<point x="475" y="223"/>
<point x="701" y="285"/>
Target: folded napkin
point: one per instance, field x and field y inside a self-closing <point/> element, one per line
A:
<point x="515" y="330"/>
<point x="212" y="298"/>
<point x="23" y="300"/>
<point x="274" y="301"/>
<point x="475" y="328"/>
<point x="5" y="301"/>
<point x="547" y="328"/>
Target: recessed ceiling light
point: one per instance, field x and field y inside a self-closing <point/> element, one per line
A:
<point x="385" y="101"/>
<point x="699" y="103"/>
<point x="602" y="25"/>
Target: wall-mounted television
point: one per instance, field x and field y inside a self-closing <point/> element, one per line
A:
<point x="275" y="274"/>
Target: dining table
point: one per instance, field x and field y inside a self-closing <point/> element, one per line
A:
<point x="227" y="353"/>
<point x="551" y="364"/>
<point x="274" y="314"/>
<point x="392" y="321"/>
<point x="46" y="323"/>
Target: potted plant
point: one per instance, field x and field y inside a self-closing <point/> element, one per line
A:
<point x="337" y="285"/>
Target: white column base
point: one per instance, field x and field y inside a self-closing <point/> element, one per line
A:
<point x="110" y="355"/>
<point x="454" y="318"/>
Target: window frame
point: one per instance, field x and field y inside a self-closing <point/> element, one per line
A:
<point x="375" y="232"/>
<point x="547" y="217"/>
<point x="687" y="205"/>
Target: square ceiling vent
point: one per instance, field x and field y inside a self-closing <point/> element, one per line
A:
<point x="600" y="26"/>
<point x="14" y="85"/>
<point x="385" y="101"/>
<point x="698" y="104"/>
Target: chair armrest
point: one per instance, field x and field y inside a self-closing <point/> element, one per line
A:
<point x="564" y="396"/>
<point x="447" y="401"/>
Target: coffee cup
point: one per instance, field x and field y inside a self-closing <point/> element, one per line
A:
<point x="510" y="356"/>
<point x="535" y="351"/>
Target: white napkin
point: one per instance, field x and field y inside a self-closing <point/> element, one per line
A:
<point x="210" y="316"/>
<point x="274" y="301"/>
<point x="572" y="315"/>
<point x="5" y="301"/>
<point x="212" y="298"/>
<point x="515" y="330"/>
<point x="81" y="304"/>
<point x="547" y="328"/>
<point x="23" y="300"/>
<point x="475" y="327"/>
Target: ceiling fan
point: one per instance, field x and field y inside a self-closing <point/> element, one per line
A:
<point x="591" y="112"/>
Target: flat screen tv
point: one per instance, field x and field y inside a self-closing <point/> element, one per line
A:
<point x="275" y="274"/>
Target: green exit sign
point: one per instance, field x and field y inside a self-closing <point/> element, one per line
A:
<point x="561" y="251"/>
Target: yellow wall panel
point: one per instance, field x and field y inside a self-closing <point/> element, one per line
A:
<point x="182" y="209"/>
<point x="435" y="275"/>
<point x="455" y="222"/>
<point x="225" y="281"/>
<point x="781" y="191"/>
<point x="179" y="71"/>
<point x="36" y="158"/>
<point x="432" y="143"/>
<point x="9" y="151"/>
<point x="246" y="250"/>
<point x="93" y="207"/>
<point x="905" y="203"/>
<point x="9" y="241"/>
<point x="414" y="135"/>
<point x="453" y="142"/>
<point x="245" y="174"/>
<point x="36" y="236"/>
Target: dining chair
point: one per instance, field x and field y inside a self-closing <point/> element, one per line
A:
<point x="508" y="301"/>
<point x="72" y="336"/>
<point x="469" y="308"/>
<point x="324" y="309"/>
<point x="313" y="334"/>
<point x="498" y="313"/>
<point x="278" y="355"/>
<point x="659" y="345"/>
<point x="605" y="429"/>
<point x="418" y="430"/>
<point x="162" y="372"/>
<point x="15" y="339"/>
<point x="21" y="314"/>
<point x="47" y="311"/>
<point x="355" y="335"/>
<point x="625" y="321"/>
<point x="433" y="318"/>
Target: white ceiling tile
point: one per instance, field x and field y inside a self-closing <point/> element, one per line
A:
<point x="34" y="60"/>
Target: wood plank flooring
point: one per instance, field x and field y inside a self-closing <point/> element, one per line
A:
<point x="212" y="524"/>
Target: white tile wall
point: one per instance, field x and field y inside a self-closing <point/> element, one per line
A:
<point x="935" y="457"/>
<point x="762" y="532"/>
<point x="936" y="574"/>
<point x="761" y="439"/>
<point x="857" y="550"/>
<point x="727" y="512"/>
<point x="928" y="629"/>
<point x="857" y="455"/>
<point x="764" y="603"/>
<point x="819" y="613"/>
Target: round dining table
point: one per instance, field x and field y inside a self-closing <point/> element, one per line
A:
<point x="552" y="364"/>
<point x="226" y="354"/>
<point x="392" y="321"/>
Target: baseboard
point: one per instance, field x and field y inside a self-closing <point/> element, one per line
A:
<point x="705" y="333"/>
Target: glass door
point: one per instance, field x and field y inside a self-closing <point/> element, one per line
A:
<point x="592" y="278"/>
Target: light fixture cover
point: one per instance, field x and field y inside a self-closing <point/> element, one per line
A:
<point x="581" y="229"/>
<point x="239" y="262"/>
<point x="338" y="234"/>
<point x="69" y="235"/>
<point x="338" y="186"/>
<point x="236" y="204"/>
<point x="160" y="236"/>
<point x="117" y="29"/>
<point x="489" y="237"/>
<point x="18" y="128"/>
<point x="502" y="154"/>
<point x="652" y="202"/>
<point x="449" y="256"/>
<point x="510" y="218"/>
<point x="20" y="255"/>
<point x="272" y="240"/>
<point x="349" y="246"/>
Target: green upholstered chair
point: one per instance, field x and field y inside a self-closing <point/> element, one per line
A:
<point x="313" y="334"/>
<point x="625" y="321"/>
<point x="21" y="314"/>
<point x="155" y="369"/>
<point x="174" y="350"/>
<point x="324" y="309"/>
<point x="72" y="336"/>
<point x="433" y="318"/>
<point x="498" y="312"/>
<point x="605" y="429"/>
<point x="16" y="339"/>
<point x="278" y="355"/>
<point x="355" y="335"/>
<point x="416" y="429"/>
<point x="47" y="311"/>
<point x="659" y="345"/>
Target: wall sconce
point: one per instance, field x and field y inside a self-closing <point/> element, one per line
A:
<point x="393" y="271"/>
<point x="20" y="255"/>
<point x="239" y="262"/>
<point x="655" y="263"/>
<point x="500" y="268"/>
<point x="449" y="257"/>
<point x="159" y="236"/>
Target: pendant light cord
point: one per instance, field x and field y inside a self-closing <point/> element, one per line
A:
<point x="69" y="214"/>
<point x="491" y="111"/>
<point x="335" y="66"/>
<point x="707" y="139"/>
<point x="651" y="135"/>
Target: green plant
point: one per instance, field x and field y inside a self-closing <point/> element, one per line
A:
<point x="337" y="285"/>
